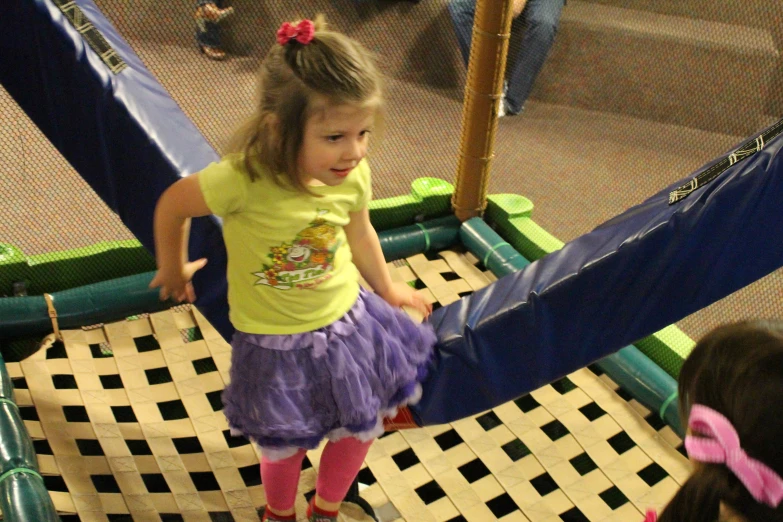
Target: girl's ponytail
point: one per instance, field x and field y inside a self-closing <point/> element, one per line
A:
<point x="700" y="497"/>
<point x="309" y="68"/>
<point x="328" y="62"/>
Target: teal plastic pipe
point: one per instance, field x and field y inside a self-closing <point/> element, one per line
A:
<point x="16" y="449"/>
<point x="433" y="235"/>
<point x="630" y="368"/>
<point x="647" y="382"/>
<point x="91" y="304"/>
<point x="498" y="256"/>
<point x="6" y="388"/>
<point x="23" y="496"/>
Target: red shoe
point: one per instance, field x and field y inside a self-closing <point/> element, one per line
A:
<point x="316" y="514"/>
<point x="277" y="518"/>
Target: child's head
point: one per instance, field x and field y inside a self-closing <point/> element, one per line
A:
<point x="311" y="75"/>
<point x="737" y="371"/>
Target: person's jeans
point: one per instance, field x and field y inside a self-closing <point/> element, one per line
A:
<point x="540" y="18"/>
<point x="208" y="33"/>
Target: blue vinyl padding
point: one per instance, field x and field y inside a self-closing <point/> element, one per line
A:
<point x="637" y="273"/>
<point x="644" y="380"/>
<point x="122" y="132"/>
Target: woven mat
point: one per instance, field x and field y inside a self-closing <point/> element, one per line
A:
<point x="127" y="423"/>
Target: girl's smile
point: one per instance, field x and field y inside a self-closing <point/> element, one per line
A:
<point x="335" y="141"/>
<point x="341" y="173"/>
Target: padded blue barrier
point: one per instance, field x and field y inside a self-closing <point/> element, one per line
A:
<point x="637" y="273"/>
<point x="121" y="131"/>
<point x="644" y="380"/>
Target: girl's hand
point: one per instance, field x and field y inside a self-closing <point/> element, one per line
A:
<point x="177" y="285"/>
<point x="518" y="7"/>
<point x="400" y="294"/>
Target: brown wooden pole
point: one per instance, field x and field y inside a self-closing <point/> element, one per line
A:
<point x="483" y="94"/>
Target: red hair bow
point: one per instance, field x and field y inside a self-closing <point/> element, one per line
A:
<point x="302" y="32"/>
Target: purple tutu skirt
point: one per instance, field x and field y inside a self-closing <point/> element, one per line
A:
<point x="292" y="391"/>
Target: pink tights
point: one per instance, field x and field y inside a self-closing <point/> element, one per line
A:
<point x="340" y="463"/>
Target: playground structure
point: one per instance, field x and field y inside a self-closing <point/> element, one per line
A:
<point x="482" y="322"/>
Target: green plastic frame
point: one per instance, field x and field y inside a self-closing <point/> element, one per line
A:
<point x="511" y="214"/>
<point x="57" y="271"/>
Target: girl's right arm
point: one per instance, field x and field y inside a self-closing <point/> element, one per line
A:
<point x="180" y="202"/>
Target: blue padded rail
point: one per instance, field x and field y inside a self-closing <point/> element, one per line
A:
<point x="122" y="132"/>
<point x="637" y="273"/>
<point x="644" y="380"/>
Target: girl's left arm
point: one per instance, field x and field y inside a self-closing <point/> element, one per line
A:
<point x="368" y="258"/>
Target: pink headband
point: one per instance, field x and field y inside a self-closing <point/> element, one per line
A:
<point x="719" y="443"/>
<point x="302" y="32"/>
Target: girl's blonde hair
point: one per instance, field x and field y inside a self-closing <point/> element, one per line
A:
<point x="291" y="80"/>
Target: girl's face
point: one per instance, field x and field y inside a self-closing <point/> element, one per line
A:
<point x="335" y="141"/>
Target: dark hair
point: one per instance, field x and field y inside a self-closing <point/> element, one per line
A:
<point x="294" y="81"/>
<point x="736" y="370"/>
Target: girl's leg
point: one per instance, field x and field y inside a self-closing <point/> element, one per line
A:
<point x="340" y="463"/>
<point x="281" y="480"/>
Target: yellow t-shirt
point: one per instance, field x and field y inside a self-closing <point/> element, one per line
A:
<point x="289" y="263"/>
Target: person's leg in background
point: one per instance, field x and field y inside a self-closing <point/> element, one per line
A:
<point x="208" y="14"/>
<point x="541" y="19"/>
<point x="462" y="14"/>
<point x="340" y="464"/>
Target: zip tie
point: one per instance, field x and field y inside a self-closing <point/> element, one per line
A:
<point x="485" y="159"/>
<point x="666" y="404"/>
<point x="426" y="237"/>
<point x="8" y="401"/>
<point x="19" y="470"/>
<point x="490" y="95"/>
<point x="53" y="315"/>
<point x="501" y="36"/>
<point x="486" y="257"/>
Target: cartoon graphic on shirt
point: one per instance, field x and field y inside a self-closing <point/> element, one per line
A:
<point x="305" y="262"/>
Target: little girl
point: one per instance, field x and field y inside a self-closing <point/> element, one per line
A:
<point x="730" y="390"/>
<point x="314" y="355"/>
